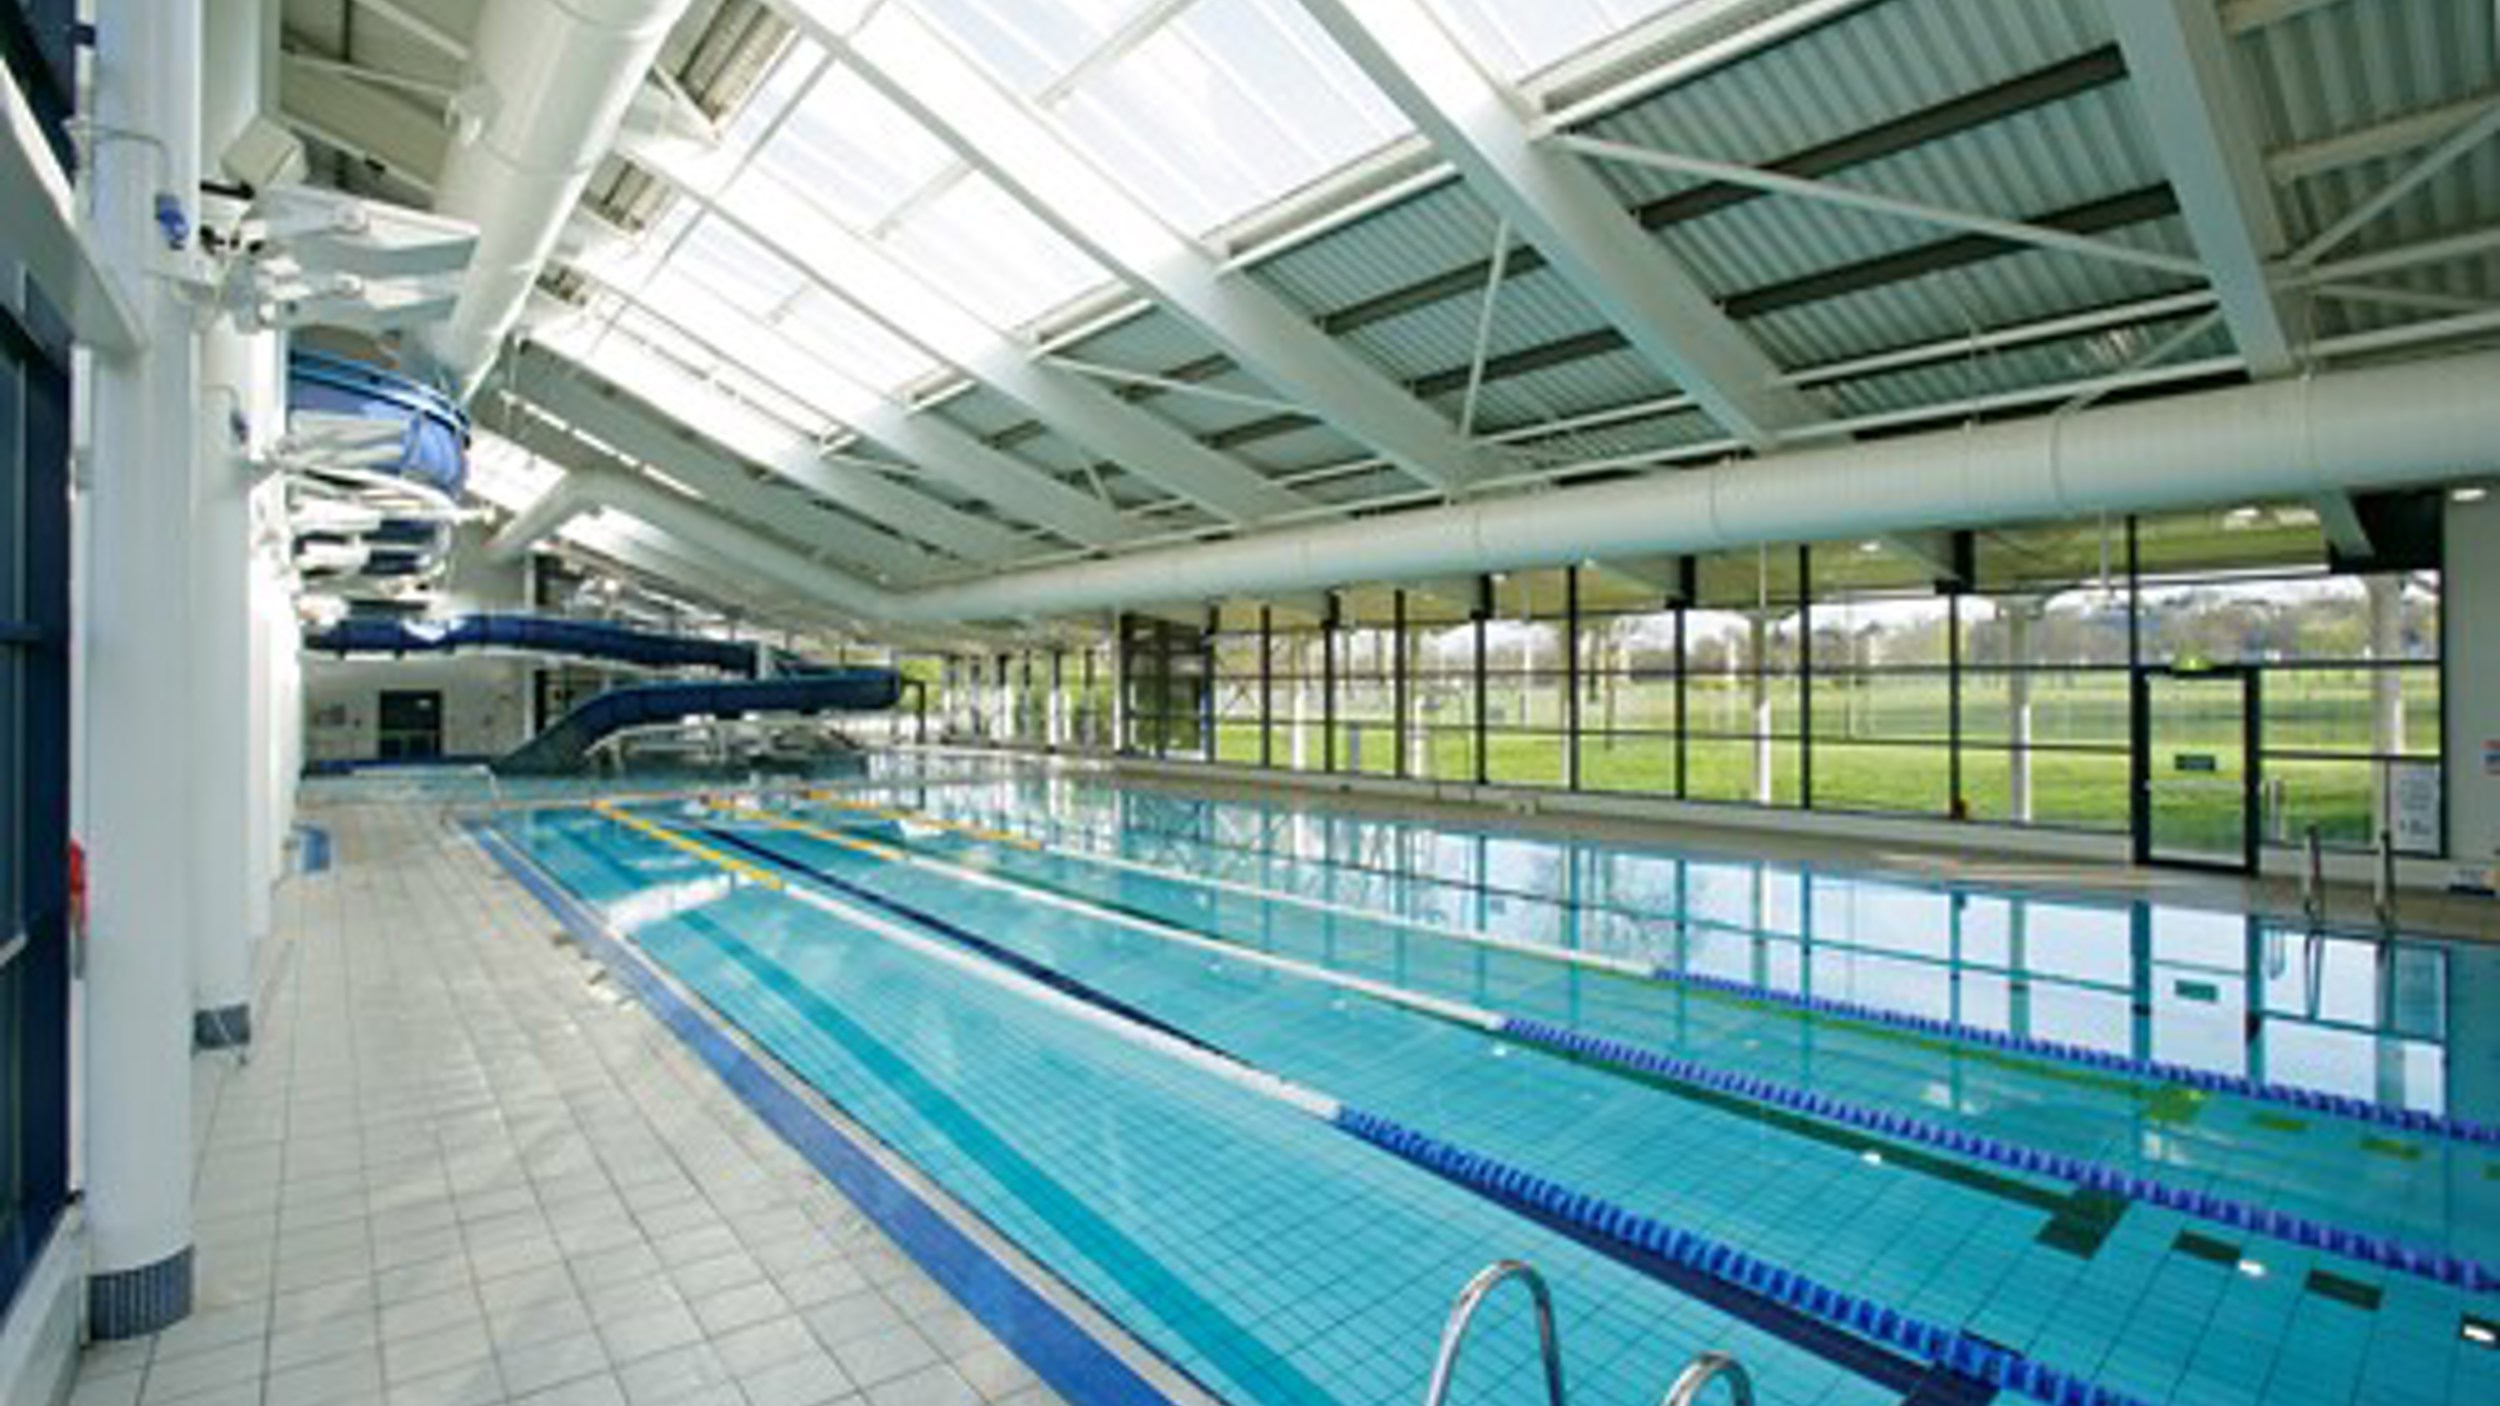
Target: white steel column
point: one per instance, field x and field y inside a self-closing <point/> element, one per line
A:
<point x="240" y="399"/>
<point x="1057" y="734"/>
<point x="2387" y="699"/>
<point x="135" y="742"/>
<point x="1302" y="666"/>
<point x="274" y="643"/>
<point x="2020" y="616"/>
<point x="1758" y="646"/>
<point x="220" y="688"/>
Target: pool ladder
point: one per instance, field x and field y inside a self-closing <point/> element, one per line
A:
<point x="1687" y="1388"/>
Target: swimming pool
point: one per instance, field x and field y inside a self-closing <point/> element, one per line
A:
<point x="1269" y="1085"/>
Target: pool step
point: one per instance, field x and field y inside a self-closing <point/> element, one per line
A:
<point x="1686" y="1390"/>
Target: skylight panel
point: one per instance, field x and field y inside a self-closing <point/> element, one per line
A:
<point x="994" y="256"/>
<point x="851" y="342"/>
<point x="1030" y="45"/>
<point x="852" y="152"/>
<point x="793" y="73"/>
<point x="749" y="276"/>
<point x="1512" y="40"/>
<point x="1228" y="106"/>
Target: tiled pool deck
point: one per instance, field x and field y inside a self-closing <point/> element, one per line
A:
<point x="459" y="1169"/>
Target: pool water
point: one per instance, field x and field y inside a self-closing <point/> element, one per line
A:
<point x="2165" y="1154"/>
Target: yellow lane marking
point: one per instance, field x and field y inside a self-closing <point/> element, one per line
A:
<point x="686" y="844"/>
<point x="813" y="832"/>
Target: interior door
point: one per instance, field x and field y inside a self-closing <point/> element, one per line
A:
<point x="410" y="724"/>
<point x="2196" y="768"/>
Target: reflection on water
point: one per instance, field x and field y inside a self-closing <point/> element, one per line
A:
<point x="2342" y="1013"/>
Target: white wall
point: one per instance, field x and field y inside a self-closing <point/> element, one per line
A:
<point x="484" y="703"/>
<point x="485" y="697"/>
<point x="2470" y="614"/>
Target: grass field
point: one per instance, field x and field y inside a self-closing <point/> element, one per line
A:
<point x="1881" y="744"/>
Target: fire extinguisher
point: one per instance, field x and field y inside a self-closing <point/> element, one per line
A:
<point x="77" y="908"/>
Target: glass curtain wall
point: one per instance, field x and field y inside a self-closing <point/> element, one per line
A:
<point x="1527" y="680"/>
<point x="1240" y="684"/>
<point x="1983" y="676"/>
<point x="34" y="770"/>
<point x="1367" y="699"/>
<point x="1168" y="672"/>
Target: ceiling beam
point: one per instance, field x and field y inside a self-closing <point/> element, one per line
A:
<point x="724" y="483"/>
<point x="699" y="418"/>
<point x="2201" y="124"/>
<point x="1567" y="213"/>
<point x="2376" y="142"/>
<point x="861" y="273"/>
<point x="937" y="446"/>
<point x="1004" y="138"/>
<point x="647" y="551"/>
<point x="362" y="121"/>
<point x="2339" y="519"/>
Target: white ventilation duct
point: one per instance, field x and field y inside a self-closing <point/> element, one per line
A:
<point x="550" y="81"/>
<point x="2388" y="427"/>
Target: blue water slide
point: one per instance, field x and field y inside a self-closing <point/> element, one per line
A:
<point x="544" y="634"/>
<point x="434" y="441"/>
<point x="563" y="747"/>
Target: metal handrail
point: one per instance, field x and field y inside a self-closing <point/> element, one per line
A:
<point x="1463" y="1312"/>
<point x="1705" y="1369"/>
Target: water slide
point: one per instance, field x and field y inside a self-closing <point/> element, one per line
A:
<point x="802" y="687"/>
<point x="541" y="634"/>
<point x="563" y="746"/>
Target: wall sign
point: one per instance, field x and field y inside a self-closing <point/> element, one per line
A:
<point x="2413" y="805"/>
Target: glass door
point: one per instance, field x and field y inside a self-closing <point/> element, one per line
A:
<point x="2196" y="768"/>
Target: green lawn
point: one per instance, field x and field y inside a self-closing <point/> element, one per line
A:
<point x="1859" y="764"/>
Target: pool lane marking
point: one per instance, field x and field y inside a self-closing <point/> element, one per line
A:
<point x="1459" y="1011"/>
<point x="1002" y="1284"/>
<point x="2179" y="1076"/>
<point x="752" y="873"/>
<point x="2385" y="1251"/>
<point x="2080" y="1216"/>
<point x="1140" y="1271"/>
<point x="972" y="964"/>
<point x="1946" y="1349"/>
<point x="1005" y="956"/>
<point x="1627" y="968"/>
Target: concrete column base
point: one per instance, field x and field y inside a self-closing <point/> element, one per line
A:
<point x="132" y="1303"/>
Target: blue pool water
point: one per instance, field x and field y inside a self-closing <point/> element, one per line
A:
<point x="2294" y="1208"/>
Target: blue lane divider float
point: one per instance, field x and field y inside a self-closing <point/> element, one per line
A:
<point x="2384" y="1251"/>
<point x="2308" y="1100"/>
<point x="2411" y="1120"/>
<point x="1949" y="1348"/>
